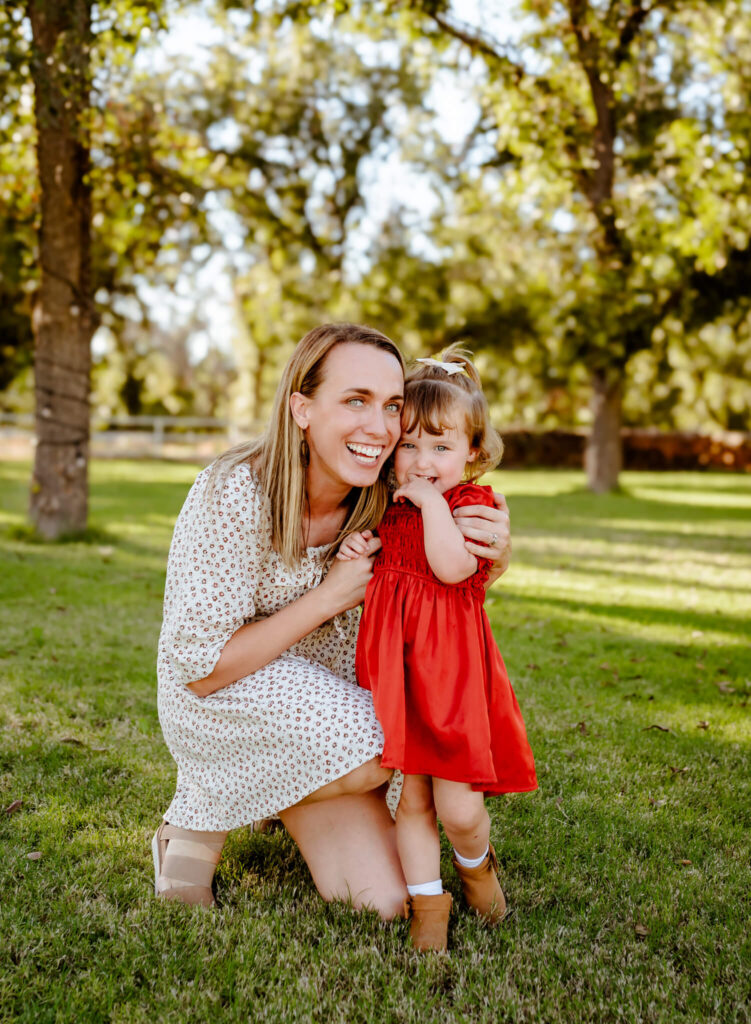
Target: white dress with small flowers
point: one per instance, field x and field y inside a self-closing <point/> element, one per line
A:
<point x="266" y="741"/>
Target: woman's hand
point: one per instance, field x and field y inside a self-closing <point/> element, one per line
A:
<point x="345" y="583"/>
<point x="492" y="528"/>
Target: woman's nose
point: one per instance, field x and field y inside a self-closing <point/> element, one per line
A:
<point x="377" y="424"/>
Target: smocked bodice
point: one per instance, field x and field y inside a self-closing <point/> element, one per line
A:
<point x="403" y="548"/>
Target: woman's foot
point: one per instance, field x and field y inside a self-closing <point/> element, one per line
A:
<point x="429" y="919"/>
<point x="184" y="864"/>
<point x="482" y="890"/>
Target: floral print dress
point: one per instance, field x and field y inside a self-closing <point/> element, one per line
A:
<point x="266" y="741"/>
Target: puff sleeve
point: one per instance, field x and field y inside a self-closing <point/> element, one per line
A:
<point x="221" y="540"/>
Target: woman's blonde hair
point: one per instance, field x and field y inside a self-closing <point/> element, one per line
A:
<point x="431" y="397"/>
<point x="277" y="456"/>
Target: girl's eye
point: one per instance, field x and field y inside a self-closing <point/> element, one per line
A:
<point x="441" y="448"/>
<point x="406" y="444"/>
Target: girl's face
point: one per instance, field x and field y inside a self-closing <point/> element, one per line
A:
<point x="351" y="424"/>
<point x="439" y="458"/>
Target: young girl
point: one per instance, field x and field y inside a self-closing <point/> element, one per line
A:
<point x="425" y="648"/>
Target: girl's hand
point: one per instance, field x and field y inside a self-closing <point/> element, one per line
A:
<point x="418" y="490"/>
<point x="490" y="526"/>
<point x="344" y="585"/>
<point x="354" y="546"/>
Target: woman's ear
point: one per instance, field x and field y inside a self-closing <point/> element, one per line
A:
<point x="298" y="407"/>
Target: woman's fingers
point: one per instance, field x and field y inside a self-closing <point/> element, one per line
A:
<point x="482" y="512"/>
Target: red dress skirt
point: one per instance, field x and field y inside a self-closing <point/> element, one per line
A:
<point x="426" y="651"/>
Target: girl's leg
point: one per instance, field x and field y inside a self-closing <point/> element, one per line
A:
<point x="420" y="853"/>
<point x="463" y="815"/>
<point x="417" y="831"/>
<point x="467" y="824"/>
<point x="349" y="845"/>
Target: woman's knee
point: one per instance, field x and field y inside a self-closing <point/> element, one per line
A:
<point x="366" y="777"/>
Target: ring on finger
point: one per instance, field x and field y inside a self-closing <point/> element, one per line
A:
<point x="493" y="539"/>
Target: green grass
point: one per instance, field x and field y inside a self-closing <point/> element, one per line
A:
<point x="627" y="873"/>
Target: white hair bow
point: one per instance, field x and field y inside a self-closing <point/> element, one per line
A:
<point x="448" y="367"/>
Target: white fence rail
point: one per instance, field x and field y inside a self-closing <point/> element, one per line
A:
<point x="136" y="436"/>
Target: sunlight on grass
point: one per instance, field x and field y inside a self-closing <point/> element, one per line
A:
<point x="624" y="622"/>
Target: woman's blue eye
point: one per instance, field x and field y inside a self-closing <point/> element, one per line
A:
<point x="355" y="401"/>
<point x="394" y="407"/>
<point x="441" y="448"/>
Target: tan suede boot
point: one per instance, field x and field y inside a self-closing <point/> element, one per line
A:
<point x="482" y="890"/>
<point x="429" y="920"/>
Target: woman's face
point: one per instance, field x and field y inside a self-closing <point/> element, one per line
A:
<point x="352" y="423"/>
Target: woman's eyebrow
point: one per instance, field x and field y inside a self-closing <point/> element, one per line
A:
<point x="370" y="394"/>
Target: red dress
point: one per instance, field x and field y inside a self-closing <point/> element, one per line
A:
<point x="426" y="650"/>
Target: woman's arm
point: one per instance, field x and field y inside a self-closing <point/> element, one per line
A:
<point x="444" y="544"/>
<point x="257" y="643"/>
<point x="478" y="523"/>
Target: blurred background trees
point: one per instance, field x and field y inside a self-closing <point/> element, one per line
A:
<point x="563" y="186"/>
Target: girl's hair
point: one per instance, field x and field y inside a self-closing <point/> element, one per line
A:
<point x="277" y="456"/>
<point x="431" y="397"/>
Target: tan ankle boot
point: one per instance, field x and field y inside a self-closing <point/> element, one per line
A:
<point x="429" y="920"/>
<point x="482" y="890"/>
<point x="184" y="864"/>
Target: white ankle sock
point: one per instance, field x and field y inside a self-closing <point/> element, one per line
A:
<point x="426" y="888"/>
<point x="470" y="862"/>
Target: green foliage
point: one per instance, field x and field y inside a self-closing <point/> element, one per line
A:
<point x="626" y="873"/>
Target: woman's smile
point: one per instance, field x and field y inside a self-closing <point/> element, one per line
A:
<point x="365" y="454"/>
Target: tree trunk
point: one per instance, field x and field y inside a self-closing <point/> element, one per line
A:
<point x="603" y="456"/>
<point x="63" y="320"/>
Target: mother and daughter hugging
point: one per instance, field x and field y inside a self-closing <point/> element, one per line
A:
<point x="278" y="700"/>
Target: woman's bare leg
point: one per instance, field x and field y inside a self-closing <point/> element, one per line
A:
<point x="349" y="845"/>
<point x="362" y="779"/>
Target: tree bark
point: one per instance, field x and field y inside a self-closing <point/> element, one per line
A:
<point x="62" y="319"/>
<point x="603" y="456"/>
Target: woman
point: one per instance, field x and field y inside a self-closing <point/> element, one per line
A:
<point x="257" y="694"/>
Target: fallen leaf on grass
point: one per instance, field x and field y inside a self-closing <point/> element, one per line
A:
<point x="657" y="803"/>
<point x="36" y="855"/>
<point x="641" y="930"/>
<point x="582" y="727"/>
<point x="73" y="741"/>
<point x="637" y="660"/>
<point x="685" y="862"/>
<point x="700" y="664"/>
<point x="662" y="728"/>
<point x="103" y="750"/>
<point x="604" y="666"/>
<point x="532" y="667"/>
<point x="15" y="806"/>
<point x="724" y="686"/>
<point x="702" y="725"/>
<point x="674" y="770"/>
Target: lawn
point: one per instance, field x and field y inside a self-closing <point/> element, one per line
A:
<point x="625" y="624"/>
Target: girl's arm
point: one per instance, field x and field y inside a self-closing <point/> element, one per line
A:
<point x="257" y="643"/>
<point x="478" y="524"/>
<point x="444" y="542"/>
